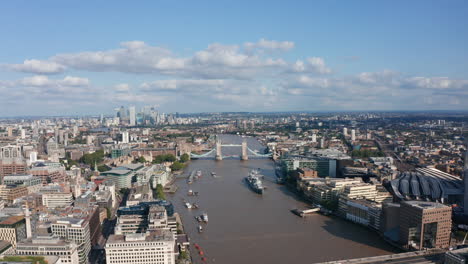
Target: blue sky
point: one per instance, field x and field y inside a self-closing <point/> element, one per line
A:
<point x="193" y="56"/>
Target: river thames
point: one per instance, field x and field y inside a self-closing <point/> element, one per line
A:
<point x="245" y="227"/>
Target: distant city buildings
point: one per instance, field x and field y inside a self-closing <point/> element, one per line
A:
<point x="400" y="175"/>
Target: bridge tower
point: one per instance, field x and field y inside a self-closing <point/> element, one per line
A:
<point x="245" y="155"/>
<point x="219" y="154"/>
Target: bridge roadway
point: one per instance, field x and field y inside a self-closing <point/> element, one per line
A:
<point x="415" y="257"/>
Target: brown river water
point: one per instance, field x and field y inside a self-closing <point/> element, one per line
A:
<point x="245" y="227"/>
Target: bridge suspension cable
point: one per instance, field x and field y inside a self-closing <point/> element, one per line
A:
<point x="202" y="155"/>
<point x="258" y="154"/>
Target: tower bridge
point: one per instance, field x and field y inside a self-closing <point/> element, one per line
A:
<point x="217" y="150"/>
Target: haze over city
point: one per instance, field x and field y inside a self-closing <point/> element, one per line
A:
<point x="87" y="58"/>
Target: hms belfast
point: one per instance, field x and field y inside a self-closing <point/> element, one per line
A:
<point x="254" y="182"/>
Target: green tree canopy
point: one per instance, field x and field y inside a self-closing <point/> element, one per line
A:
<point x="140" y="160"/>
<point x="184" y="158"/>
<point x="160" y="192"/>
<point x="164" y="158"/>
<point x="93" y="158"/>
<point x="177" y="166"/>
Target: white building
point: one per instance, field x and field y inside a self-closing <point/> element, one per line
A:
<point x="32" y="157"/>
<point x="132" y="114"/>
<point x="156" y="247"/>
<point x="154" y="175"/>
<point x="125" y="137"/>
<point x="43" y="246"/>
<point x="345" y="131"/>
<point x="52" y="200"/>
<point x="76" y="230"/>
<point x="353" y="135"/>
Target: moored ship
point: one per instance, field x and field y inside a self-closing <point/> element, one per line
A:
<point x="254" y="182"/>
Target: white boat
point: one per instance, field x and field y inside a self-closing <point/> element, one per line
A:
<point x="204" y="217"/>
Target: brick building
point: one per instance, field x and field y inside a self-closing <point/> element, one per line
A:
<point x="425" y="225"/>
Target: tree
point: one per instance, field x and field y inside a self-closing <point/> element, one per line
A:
<point x="93" y="158"/>
<point x="140" y="160"/>
<point x="183" y="255"/>
<point x="184" y="158"/>
<point x="177" y="166"/>
<point x="160" y="192"/>
<point x="103" y="168"/>
<point x="109" y="213"/>
<point x="164" y="158"/>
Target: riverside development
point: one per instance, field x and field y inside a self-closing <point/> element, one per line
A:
<point x="247" y="227"/>
<point x="235" y="188"/>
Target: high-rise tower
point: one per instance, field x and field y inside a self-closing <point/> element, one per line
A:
<point x="465" y="180"/>
<point x="132" y="113"/>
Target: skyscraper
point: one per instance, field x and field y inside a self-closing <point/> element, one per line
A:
<point x="465" y="180"/>
<point x="353" y="134"/>
<point x="132" y="113"/>
<point x="345" y="131"/>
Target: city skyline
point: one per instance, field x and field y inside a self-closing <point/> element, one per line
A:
<point x="207" y="57"/>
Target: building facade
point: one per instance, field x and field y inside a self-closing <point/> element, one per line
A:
<point x="425" y="225"/>
<point x="156" y="247"/>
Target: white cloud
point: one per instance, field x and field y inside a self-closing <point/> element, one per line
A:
<point x="38" y="80"/>
<point x="133" y="57"/>
<point x="43" y="87"/>
<point x="38" y="67"/>
<point x="214" y="62"/>
<point x="183" y="85"/>
<point x="243" y="75"/>
<point x="435" y="83"/>
<point x="123" y="87"/>
<point x="312" y="65"/>
<point x="74" y="81"/>
<point x="318" y="64"/>
<point x="270" y="45"/>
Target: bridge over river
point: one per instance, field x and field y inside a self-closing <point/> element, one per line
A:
<point x="226" y="146"/>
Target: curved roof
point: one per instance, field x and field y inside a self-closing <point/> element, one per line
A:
<point x="422" y="186"/>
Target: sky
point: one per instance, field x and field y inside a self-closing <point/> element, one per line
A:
<point x="89" y="57"/>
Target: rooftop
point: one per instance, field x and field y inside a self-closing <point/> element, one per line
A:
<point x="131" y="166"/>
<point x="158" y="235"/>
<point x="117" y="171"/>
<point x="425" y="205"/>
<point x="10" y="220"/>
